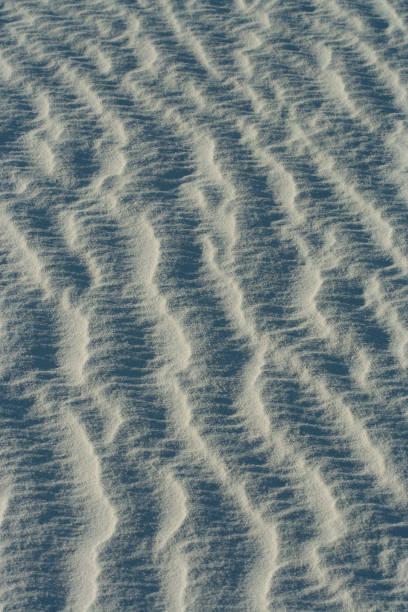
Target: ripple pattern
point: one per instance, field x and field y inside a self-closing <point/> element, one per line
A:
<point x="204" y="305"/>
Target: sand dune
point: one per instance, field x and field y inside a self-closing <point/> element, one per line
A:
<point x="204" y="332"/>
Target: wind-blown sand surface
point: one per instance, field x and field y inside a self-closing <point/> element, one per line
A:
<point x="204" y="305"/>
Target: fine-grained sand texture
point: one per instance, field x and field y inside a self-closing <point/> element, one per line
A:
<point x="203" y="305"/>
